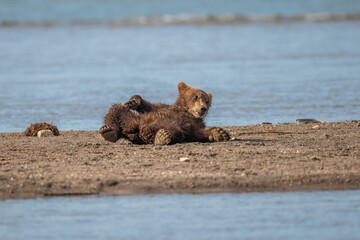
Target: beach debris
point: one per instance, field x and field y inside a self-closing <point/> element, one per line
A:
<point x="307" y="120"/>
<point x="266" y="123"/>
<point x="45" y="133"/>
<point x="111" y="183"/>
<point x="184" y="159"/>
<point x="314" y="158"/>
<point x="3" y="162"/>
<point x="34" y="128"/>
<point x="239" y="169"/>
<point x="316" y="127"/>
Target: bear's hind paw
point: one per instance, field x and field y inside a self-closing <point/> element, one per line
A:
<point x="108" y="134"/>
<point x="219" y="135"/>
<point x="162" y="137"/>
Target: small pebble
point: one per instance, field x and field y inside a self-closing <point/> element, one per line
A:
<point x="316" y="127"/>
<point x="45" y="133"/>
<point x="314" y="158"/>
<point x="326" y="136"/>
<point x="184" y="159"/>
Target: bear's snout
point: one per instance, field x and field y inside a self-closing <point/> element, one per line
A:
<point x="200" y="112"/>
<point x="203" y="109"/>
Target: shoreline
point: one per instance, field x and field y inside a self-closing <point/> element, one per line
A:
<point x="260" y="158"/>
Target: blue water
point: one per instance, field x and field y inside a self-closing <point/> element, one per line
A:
<point x="256" y="72"/>
<point x="68" y="10"/>
<point x="299" y="215"/>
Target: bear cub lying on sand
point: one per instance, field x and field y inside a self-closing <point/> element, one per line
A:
<point x="143" y="122"/>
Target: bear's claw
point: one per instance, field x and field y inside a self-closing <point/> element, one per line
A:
<point x="108" y="134"/>
<point x="219" y="135"/>
<point x="162" y="137"/>
<point x="133" y="102"/>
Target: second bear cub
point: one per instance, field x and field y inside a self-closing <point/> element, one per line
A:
<point x="163" y="124"/>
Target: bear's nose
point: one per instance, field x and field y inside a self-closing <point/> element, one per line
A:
<point x="203" y="109"/>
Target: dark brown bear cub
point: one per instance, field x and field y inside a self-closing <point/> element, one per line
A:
<point x="33" y="129"/>
<point x="163" y="124"/>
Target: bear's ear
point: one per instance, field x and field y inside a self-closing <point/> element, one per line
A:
<point x="182" y="87"/>
<point x="210" y="95"/>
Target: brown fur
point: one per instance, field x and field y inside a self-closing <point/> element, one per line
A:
<point x="143" y="122"/>
<point x="33" y="129"/>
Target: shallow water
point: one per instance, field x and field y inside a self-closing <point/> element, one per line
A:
<point x="70" y="74"/>
<point x="273" y="72"/>
<point x="68" y="10"/>
<point x="298" y="215"/>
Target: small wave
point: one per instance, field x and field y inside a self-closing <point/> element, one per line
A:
<point x="189" y="19"/>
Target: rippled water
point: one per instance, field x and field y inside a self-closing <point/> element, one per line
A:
<point x="68" y="10"/>
<point x="300" y="215"/>
<point x="70" y="74"/>
<point x="256" y="72"/>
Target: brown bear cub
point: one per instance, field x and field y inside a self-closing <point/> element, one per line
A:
<point x="143" y="122"/>
<point x="33" y="129"/>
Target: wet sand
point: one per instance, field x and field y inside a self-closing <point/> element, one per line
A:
<point x="281" y="157"/>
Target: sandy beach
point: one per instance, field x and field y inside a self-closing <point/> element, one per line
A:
<point x="281" y="157"/>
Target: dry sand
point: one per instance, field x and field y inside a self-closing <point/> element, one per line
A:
<point x="282" y="157"/>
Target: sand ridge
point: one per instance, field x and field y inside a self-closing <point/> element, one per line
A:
<point x="281" y="157"/>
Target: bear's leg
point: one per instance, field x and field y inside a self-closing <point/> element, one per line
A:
<point x="119" y="122"/>
<point x="161" y="133"/>
<point x="109" y="134"/>
<point x="162" y="137"/>
<point x="214" y="134"/>
<point x="139" y="104"/>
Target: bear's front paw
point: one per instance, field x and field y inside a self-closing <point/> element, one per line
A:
<point x="108" y="134"/>
<point x="133" y="102"/>
<point x="219" y="135"/>
<point x="162" y="137"/>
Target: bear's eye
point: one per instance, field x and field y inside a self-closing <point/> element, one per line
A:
<point x="207" y="101"/>
<point x="196" y="98"/>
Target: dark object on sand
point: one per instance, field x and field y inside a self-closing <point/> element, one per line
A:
<point x="307" y="120"/>
<point x="33" y="129"/>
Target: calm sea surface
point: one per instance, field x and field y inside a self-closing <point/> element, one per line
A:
<point x="68" y="10"/>
<point x="300" y="215"/>
<point x="70" y="74"/>
<point x="67" y="61"/>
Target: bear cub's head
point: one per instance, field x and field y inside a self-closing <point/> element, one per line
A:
<point x="195" y="101"/>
